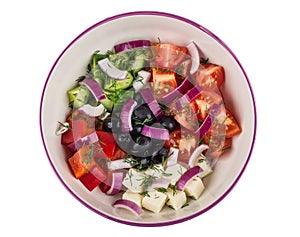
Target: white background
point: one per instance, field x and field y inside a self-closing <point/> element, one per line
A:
<point x="265" y="37"/>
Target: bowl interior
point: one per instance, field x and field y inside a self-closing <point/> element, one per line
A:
<point x="72" y="63"/>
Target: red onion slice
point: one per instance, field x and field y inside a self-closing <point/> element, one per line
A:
<point x="94" y="88"/>
<point x="196" y="153"/>
<point x="126" y="114"/>
<point x="178" y="92"/>
<point x="117" y="178"/>
<point x="84" y="141"/>
<point x="188" y="97"/>
<point x="208" y="121"/>
<point x="130" y="45"/>
<point x="156" y="133"/>
<point x="143" y="79"/>
<point x="187" y="176"/>
<point x="129" y="205"/>
<point x="113" y="72"/>
<point x="195" y="55"/>
<point x="92" y="111"/>
<point x="152" y="102"/>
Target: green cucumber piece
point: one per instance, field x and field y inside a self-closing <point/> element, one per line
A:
<point x="113" y="85"/>
<point x="78" y="96"/>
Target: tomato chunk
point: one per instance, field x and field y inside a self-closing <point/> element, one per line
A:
<point x="93" y="178"/>
<point x="107" y="143"/>
<point x="232" y="126"/>
<point x="210" y="76"/>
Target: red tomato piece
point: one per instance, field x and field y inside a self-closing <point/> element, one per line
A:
<point x="107" y="143"/>
<point x="232" y="126"/>
<point x="210" y="76"/>
<point x="93" y="177"/>
<point x="187" y="117"/>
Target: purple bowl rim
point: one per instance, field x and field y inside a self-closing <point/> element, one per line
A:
<point x="200" y="27"/>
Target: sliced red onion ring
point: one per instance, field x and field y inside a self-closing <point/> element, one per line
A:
<point x="196" y="153"/>
<point x="84" y="141"/>
<point x="155" y="132"/>
<point x="152" y="102"/>
<point x="126" y="114"/>
<point x="188" y="97"/>
<point x="94" y="88"/>
<point x="129" y="205"/>
<point x="117" y="178"/>
<point x="130" y="45"/>
<point x="187" y="176"/>
<point x="107" y="67"/>
<point x="92" y="111"/>
<point x="178" y="92"/>
<point x="208" y="121"/>
<point x="194" y="52"/>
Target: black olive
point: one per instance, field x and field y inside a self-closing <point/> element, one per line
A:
<point x="136" y="130"/>
<point x="142" y="114"/>
<point x="138" y="98"/>
<point x="125" y="141"/>
<point x="161" y="155"/>
<point x="107" y="125"/>
<point x="169" y="122"/>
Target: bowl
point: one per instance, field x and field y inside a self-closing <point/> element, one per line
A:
<point x="148" y="25"/>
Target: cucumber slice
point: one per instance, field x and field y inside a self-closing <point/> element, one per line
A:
<point x="108" y="104"/>
<point x="78" y="96"/>
<point x="113" y="85"/>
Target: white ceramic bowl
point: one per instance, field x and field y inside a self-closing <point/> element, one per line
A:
<point x="148" y="25"/>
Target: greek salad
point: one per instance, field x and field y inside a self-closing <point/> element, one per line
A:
<point x="147" y="122"/>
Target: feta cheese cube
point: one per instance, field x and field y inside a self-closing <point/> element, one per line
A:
<point x="134" y="197"/>
<point x="176" y="199"/>
<point x="194" y="188"/>
<point x="205" y="166"/>
<point x="154" y="201"/>
<point x="155" y="171"/>
<point x="134" y="180"/>
<point x="174" y="172"/>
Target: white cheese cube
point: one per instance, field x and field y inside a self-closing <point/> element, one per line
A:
<point x="154" y="201"/>
<point x="174" y="172"/>
<point x="176" y="199"/>
<point x="204" y="165"/>
<point x="134" y="197"/>
<point x="134" y="181"/>
<point x="194" y="188"/>
<point x="155" y="171"/>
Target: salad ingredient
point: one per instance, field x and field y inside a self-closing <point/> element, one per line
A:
<point x="119" y="164"/>
<point x="188" y="97"/>
<point x="195" y="56"/>
<point x="154" y="201"/>
<point x="210" y="75"/>
<point x="204" y="165"/>
<point x="117" y="178"/>
<point x="129" y="205"/>
<point x="94" y="88"/>
<point x="130" y="45"/>
<point x="155" y="132"/>
<point x="176" y="199"/>
<point x="232" y="127"/>
<point x="196" y="153"/>
<point x="134" y="197"/>
<point x="169" y="122"/>
<point x="63" y="127"/>
<point x="86" y="140"/>
<point x="93" y="177"/>
<point x="172" y="157"/>
<point x="107" y="144"/>
<point x="178" y="92"/>
<point x="126" y="114"/>
<point x="133" y="180"/>
<point x="151" y="102"/>
<point x="113" y="72"/>
<point x="175" y="172"/>
<point x="166" y="79"/>
<point x="78" y="96"/>
<point x="205" y="126"/>
<point x="143" y="78"/>
<point x="187" y="176"/>
<point x="194" y="188"/>
<point x="93" y="111"/>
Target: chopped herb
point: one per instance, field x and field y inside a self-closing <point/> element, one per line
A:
<point x="204" y="60"/>
<point x="162" y="190"/>
<point x="186" y="204"/>
<point x="173" y="188"/>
